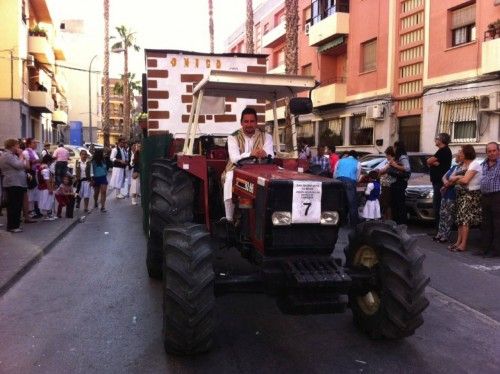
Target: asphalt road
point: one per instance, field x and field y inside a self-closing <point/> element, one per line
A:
<point x="89" y="307"/>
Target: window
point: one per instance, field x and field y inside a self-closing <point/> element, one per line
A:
<point x="266" y="28"/>
<point x="361" y="130"/>
<point x="306" y="131"/>
<point x="463" y="25"/>
<point x="258" y="38"/>
<point x="279" y="17"/>
<point x="369" y="56"/>
<point x="307" y="70"/>
<point x="320" y="9"/>
<point x="331" y="132"/>
<point x="279" y="58"/>
<point x="459" y="118"/>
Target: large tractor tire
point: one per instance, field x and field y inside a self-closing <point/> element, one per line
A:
<point x="188" y="289"/>
<point x="391" y="306"/>
<point x="171" y="202"/>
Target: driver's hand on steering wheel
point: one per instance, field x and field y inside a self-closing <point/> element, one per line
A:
<point x="259" y="153"/>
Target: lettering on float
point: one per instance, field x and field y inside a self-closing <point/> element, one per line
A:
<point x="196" y="62"/>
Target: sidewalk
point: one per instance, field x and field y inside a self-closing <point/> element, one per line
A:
<point x="20" y="251"/>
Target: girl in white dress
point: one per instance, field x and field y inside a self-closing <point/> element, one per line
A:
<point x="372" y="192"/>
<point x="46" y="188"/>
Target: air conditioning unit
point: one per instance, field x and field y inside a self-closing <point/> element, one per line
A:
<point x="307" y="26"/>
<point x="375" y="112"/>
<point x="490" y="102"/>
<point x="30" y="61"/>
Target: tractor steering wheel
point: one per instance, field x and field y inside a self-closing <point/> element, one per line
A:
<point x="252" y="160"/>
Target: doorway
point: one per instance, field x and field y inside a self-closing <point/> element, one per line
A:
<point x="409" y="132"/>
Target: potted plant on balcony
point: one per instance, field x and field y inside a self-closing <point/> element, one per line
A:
<point x="37" y="31"/>
<point x="494" y="29"/>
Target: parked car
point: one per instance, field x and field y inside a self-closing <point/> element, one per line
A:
<point x="419" y="191"/>
<point x="419" y="195"/>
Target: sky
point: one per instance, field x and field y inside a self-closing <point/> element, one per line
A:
<point x="159" y="24"/>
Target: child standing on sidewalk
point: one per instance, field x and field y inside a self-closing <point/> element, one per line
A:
<point x="65" y="197"/>
<point x="372" y="192"/>
<point x="46" y="188"/>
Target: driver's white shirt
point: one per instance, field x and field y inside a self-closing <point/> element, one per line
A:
<point x="235" y="156"/>
<point x="234" y="149"/>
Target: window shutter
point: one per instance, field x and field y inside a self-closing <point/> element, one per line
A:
<point x="463" y="16"/>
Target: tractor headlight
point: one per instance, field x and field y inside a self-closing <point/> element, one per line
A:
<point x="282" y="218"/>
<point x="329" y="218"/>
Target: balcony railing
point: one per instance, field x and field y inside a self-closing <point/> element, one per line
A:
<point x="331" y="91"/>
<point x="328" y="23"/>
<point x="319" y="13"/>
<point x="274" y="36"/>
<point x="41" y="101"/>
<point x="490" y="56"/>
<point x="40" y="47"/>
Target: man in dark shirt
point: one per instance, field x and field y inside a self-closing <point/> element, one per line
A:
<point x="439" y="165"/>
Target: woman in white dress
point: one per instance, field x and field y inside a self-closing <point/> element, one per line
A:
<point x="372" y="192"/>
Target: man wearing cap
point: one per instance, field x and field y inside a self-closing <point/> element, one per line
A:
<point x="439" y="164"/>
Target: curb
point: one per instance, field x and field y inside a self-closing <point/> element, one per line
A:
<point x="35" y="259"/>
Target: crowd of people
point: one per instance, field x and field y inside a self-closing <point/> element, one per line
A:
<point x="465" y="194"/>
<point x="37" y="186"/>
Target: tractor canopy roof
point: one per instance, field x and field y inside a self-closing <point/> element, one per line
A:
<point x="253" y="85"/>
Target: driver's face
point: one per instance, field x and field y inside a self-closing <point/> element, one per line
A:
<point x="249" y="124"/>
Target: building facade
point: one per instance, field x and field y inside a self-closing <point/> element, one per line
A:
<point x="391" y="69"/>
<point x="32" y="87"/>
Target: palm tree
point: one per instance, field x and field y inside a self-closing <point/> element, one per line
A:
<point x="211" y="24"/>
<point x="133" y="85"/>
<point x="249" y="27"/>
<point x="105" y="123"/>
<point x="127" y="40"/>
<point x="291" y="62"/>
<point x="291" y="46"/>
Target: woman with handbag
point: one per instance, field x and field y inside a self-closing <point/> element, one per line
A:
<point x="399" y="168"/>
<point x="14" y="182"/>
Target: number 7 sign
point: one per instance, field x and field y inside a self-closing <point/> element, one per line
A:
<point x="306" y="205"/>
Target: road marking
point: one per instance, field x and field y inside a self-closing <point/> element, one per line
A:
<point x="483" y="317"/>
<point x="484" y="268"/>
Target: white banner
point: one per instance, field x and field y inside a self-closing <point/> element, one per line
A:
<point x="306" y="205"/>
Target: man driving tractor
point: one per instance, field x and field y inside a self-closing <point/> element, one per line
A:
<point x="249" y="141"/>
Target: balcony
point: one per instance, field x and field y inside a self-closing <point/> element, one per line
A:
<point x="330" y="92"/>
<point x="280" y="69"/>
<point x="40" y="47"/>
<point x="60" y="117"/>
<point x="41" y="101"/>
<point x="274" y="36"/>
<point x="328" y="24"/>
<point x="59" y="50"/>
<point x="490" y="56"/>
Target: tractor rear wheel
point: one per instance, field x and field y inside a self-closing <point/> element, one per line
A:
<point x="188" y="289"/>
<point x="171" y="202"/>
<point x="391" y="306"/>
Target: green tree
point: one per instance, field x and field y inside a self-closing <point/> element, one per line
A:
<point x="127" y="40"/>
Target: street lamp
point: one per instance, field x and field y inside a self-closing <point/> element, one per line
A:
<point x="90" y="98"/>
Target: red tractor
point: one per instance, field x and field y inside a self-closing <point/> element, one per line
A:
<point x="286" y="225"/>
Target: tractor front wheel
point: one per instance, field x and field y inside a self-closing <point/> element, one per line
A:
<point x="391" y="305"/>
<point x="188" y="289"/>
<point x="171" y="202"/>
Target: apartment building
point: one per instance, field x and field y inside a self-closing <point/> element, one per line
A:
<point x="391" y="69"/>
<point x="115" y="112"/>
<point x="32" y="86"/>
